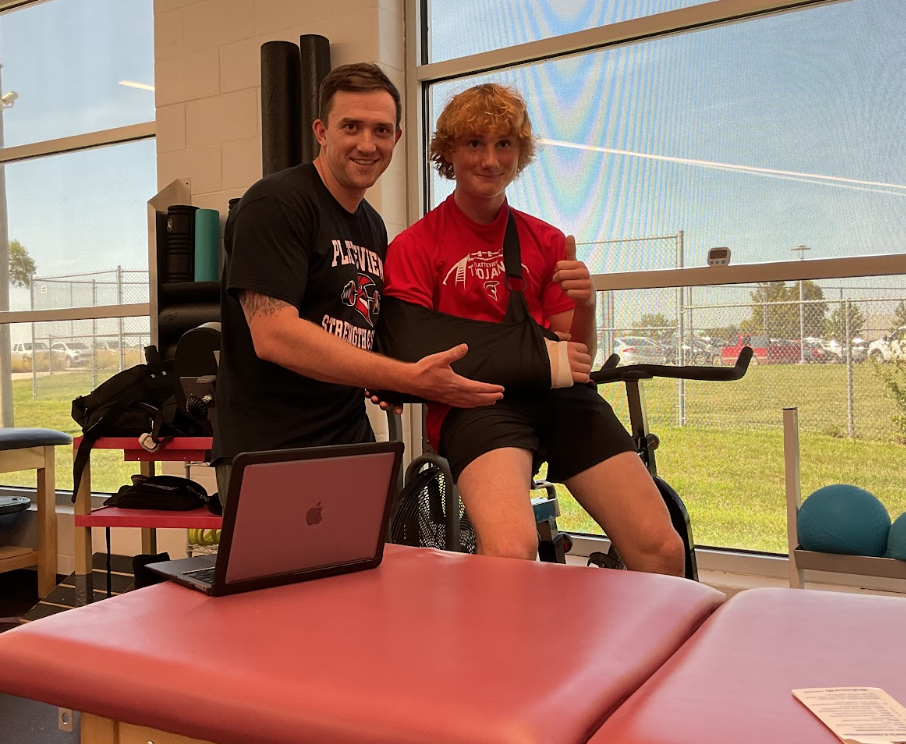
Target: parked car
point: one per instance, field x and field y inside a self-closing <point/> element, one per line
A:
<point x="889" y="347"/>
<point x="107" y="344"/>
<point x="859" y="350"/>
<point x="834" y="350"/>
<point x="73" y="353"/>
<point x="815" y="352"/>
<point x="698" y="352"/>
<point x="27" y="348"/>
<point x="764" y="350"/>
<point x="638" y="350"/>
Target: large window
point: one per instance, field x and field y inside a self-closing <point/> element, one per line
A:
<point x="476" y="26"/>
<point x="77" y="166"/>
<point x="779" y="136"/>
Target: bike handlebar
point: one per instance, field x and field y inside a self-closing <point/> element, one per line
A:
<point x="610" y="372"/>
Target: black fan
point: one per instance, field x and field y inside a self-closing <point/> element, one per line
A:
<point x="419" y="516"/>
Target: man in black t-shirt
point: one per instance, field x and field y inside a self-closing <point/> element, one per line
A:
<point x="302" y="285"/>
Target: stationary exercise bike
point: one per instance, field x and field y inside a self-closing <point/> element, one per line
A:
<point x="428" y="511"/>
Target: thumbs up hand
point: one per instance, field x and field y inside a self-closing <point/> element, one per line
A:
<point x="573" y="277"/>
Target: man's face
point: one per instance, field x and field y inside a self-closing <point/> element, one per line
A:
<point x="484" y="164"/>
<point x="357" y="139"/>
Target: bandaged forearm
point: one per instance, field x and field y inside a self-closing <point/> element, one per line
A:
<point x="558" y="354"/>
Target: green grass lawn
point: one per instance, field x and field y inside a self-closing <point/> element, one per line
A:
<point x="733" y="483"/>
<point x="50" y="407"/>
<point x="726" y="461"/>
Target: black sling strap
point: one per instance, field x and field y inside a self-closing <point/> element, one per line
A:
<point x="511" y="353"/>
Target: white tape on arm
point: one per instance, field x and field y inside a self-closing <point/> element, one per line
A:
<point x="558" y="356"/>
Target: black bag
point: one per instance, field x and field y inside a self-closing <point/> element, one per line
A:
<point x="137" y="401"/>
<point x="511" y="353"/>
<point x="167" y="492"/>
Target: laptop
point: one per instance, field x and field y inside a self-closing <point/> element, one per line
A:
<point x="297" y="514"/>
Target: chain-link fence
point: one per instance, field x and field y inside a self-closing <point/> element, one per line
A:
<point x="824" y="348"/>
<point x="100" y="346"/>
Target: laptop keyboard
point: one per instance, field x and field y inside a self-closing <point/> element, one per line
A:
<point x="204" y="575"/>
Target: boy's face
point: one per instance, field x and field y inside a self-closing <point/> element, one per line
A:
<point x="484" y="164"/>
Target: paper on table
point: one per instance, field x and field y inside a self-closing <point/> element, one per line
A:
<point x="857" y="715"/>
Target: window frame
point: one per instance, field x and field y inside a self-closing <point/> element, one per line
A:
<point x="420" y="75"/>
<point x="62" y="146"/>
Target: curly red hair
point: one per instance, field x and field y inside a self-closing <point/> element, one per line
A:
<point x="486" y="108"/>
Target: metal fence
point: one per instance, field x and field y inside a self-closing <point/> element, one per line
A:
<point x="103" y="345"/>
<point x="828" y="351"/>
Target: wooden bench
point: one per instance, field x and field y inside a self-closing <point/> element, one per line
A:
<point x="33" y="449"/>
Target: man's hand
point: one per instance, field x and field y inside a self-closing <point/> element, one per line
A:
<point x="397" y="408"/>
<point x="434" y="379"/>
<point x="573" y="277"/>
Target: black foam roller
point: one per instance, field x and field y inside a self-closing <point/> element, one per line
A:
<point x="280" y="106"/>
<point x="315" y="55"/>
<point x="175" y="320"/>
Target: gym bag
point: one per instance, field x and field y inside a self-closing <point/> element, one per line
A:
<point x="138" y="401"/>
<point x="511" y="353"/>
<point x="168" y="492"/>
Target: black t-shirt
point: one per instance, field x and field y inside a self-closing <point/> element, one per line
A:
<point x="291" y="240"/>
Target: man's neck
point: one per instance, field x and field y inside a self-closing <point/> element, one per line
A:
<point x="482" y="211"/>
<point x="348" y="200"/>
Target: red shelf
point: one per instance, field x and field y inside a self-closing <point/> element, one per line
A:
<point x="178" y="449"/>
<point x="111" y="516"/>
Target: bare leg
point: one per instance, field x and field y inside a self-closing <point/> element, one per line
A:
<point x="495" y="491"/>
<point x="621" y="496"/>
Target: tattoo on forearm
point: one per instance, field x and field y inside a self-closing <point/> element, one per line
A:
<point x="253" y="303"/>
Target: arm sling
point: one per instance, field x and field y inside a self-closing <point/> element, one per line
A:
<point x="511" y="353"/>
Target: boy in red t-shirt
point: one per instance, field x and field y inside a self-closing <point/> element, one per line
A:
<point x="451" y="260"/>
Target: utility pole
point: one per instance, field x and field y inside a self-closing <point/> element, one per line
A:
<point x="801" y="249"/>
<point x="6" y="372"/>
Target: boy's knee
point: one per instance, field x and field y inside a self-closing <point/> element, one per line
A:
<point x="665" y="553"/>
<point x="522" y="546"/>
<point x="659" y="551"/>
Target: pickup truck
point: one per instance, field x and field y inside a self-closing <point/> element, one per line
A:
<point x="764" y="350"/>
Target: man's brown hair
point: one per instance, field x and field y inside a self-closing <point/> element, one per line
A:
<point x="361" y="77"/>
<point x="485" y="109"/>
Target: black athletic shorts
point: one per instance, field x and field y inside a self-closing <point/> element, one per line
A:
<point x="571" y="429"/>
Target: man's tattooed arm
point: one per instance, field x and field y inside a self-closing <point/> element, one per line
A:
<point x="254" y="303"/>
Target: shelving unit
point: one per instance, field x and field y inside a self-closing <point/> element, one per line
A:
<point x="832" y="563"/>
<point x="176" y="307"/>
<point x="178" y="449"/>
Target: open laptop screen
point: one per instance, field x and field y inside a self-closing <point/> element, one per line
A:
<point x="331" y="511"/>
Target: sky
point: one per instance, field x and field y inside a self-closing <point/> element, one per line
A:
<point x="760" y="136"/>
<point x="84" y="211"/>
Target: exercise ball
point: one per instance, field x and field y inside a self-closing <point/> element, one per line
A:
<point x="896" y="539"/>
<point x="843" y="519"/>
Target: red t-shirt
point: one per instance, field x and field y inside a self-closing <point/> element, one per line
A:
<point x="447" y="262"/>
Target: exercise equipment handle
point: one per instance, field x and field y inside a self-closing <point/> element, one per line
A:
<point x="610" y="372"/>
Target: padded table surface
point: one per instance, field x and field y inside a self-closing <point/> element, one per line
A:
<point x="428" y="647"/>
<point x="731" y="682"/>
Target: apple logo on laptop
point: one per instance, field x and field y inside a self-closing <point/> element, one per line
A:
<point x="314" y="514"/>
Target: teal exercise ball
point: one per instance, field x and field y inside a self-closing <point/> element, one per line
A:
<point x="843" y="519"/>
<point x="896" y="539"/>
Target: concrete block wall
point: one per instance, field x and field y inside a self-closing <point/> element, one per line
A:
<point x="207" y="81"/>
<point x="208" y="93"/>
